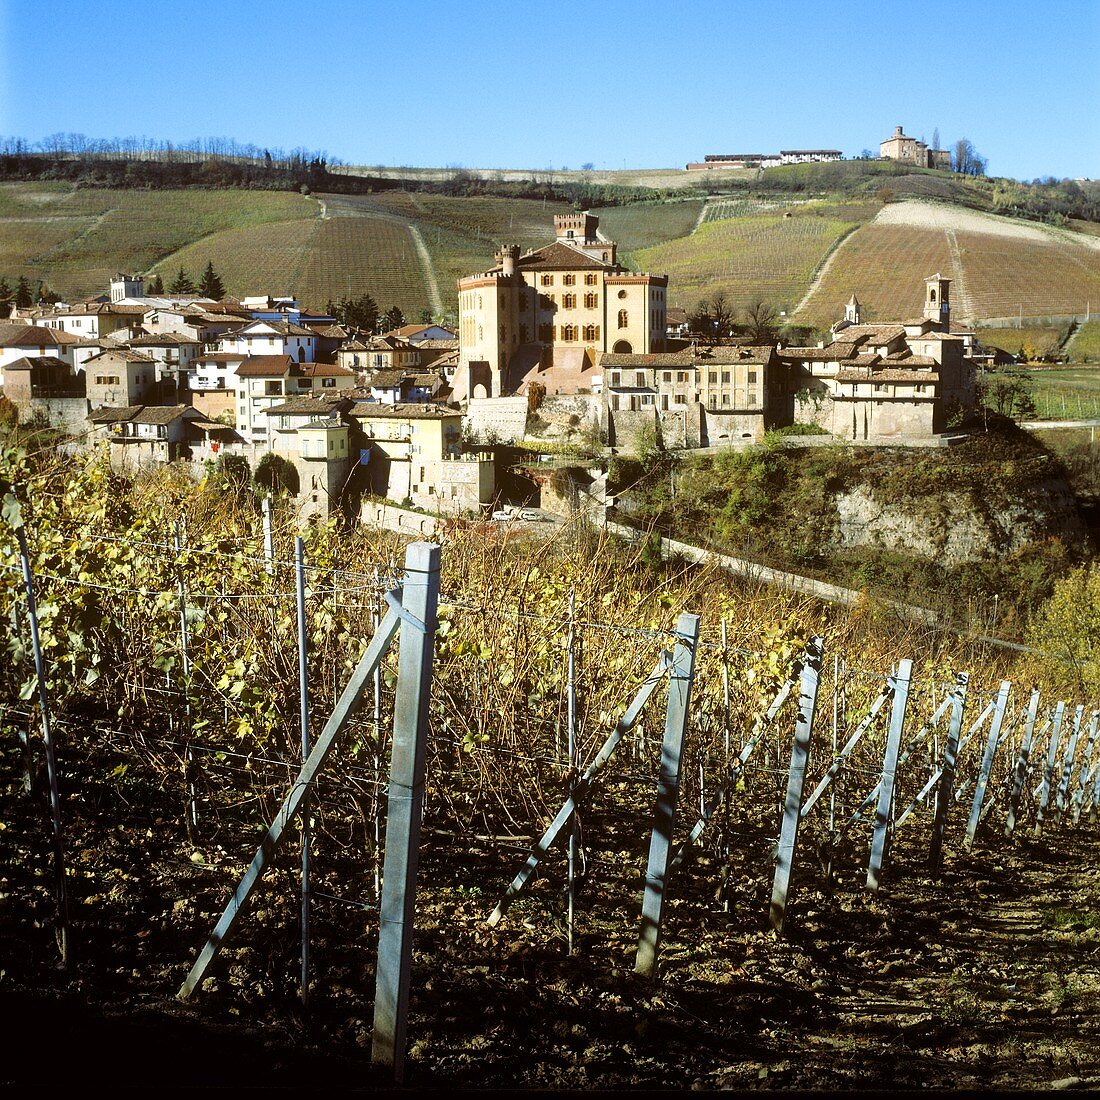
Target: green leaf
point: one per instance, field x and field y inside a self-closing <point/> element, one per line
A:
<point x="11" y="512"/>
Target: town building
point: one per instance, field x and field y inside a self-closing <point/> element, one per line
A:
<point x="546" y="315"/>
<point x="264" y="381"/>
<point x="121" y="377"/>
<point x="21" y="341"/>
<point x="889" y="382"/>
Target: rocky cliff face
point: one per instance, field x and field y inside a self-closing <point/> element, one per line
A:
<point x="955" y="527"/>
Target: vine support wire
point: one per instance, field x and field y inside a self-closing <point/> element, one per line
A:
<point x="303" y="721"/>
<point x="185" y="657"/>
<point x="51" y="755"/>
<point x="571" y="735"/>
<point x="947" y="770"/>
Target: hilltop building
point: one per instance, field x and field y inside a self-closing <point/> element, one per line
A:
<point x="911" y="151"/>
<point x="547" y="315"/>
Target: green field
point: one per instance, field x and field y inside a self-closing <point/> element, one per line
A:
<point x="1034" y="341"/>
<point x="645" y="224"/>
<point x="1067" y="393"/>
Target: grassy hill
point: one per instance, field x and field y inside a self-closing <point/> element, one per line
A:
<point x="803" y="238"/>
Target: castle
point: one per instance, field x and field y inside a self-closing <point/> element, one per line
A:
<point x="549" y="314"/>
<point x="908" y="149"/>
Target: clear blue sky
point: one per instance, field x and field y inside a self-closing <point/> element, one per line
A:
<point x="523" y="85"/>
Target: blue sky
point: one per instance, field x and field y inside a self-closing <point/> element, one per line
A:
<point x="523" y="85"/>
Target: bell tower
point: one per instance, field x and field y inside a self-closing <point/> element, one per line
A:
<point x="937" y="301"/>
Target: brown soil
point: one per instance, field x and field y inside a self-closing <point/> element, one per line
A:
<point x="986" y="979"/>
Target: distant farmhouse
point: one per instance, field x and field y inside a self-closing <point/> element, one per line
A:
<point x="911" y="151"/>
<point x="764" y="160"/>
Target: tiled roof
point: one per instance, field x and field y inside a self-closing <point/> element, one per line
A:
<point x="386" y="379"/>
<point x="560" y="257"/>
<point x="322" y="370"/>
<point x="284" y="328"/>
<point x="114" y="414"/>
<point x="611" y="359"/>
<point x="125" y="354"/>
<point x="310" y="406"/>
<point x="162" y="414"/>
<point x="34" y="336"/>
<point x="891" y="375"/>
<point x="364" y="410"/>
<point x="265" y="366"/>
<point x="155" y="340"/>
<point x="222" y="357"/>
<point x="36" y="362"/>
<point x="437" y="344"/>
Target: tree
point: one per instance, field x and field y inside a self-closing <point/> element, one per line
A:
<point x="23" y="296"/>
<point x="713" y="317"/>
<point x="182" y="284"/>
<point x="274" y="474"/>
<point x="1067" y="627"/>
<point x="5" y="297"/>
<point x="156" y="285"/>
<point x="392" y="318"/>
<point x="361" y="312"/>
<point x="936" y="138"/>
<point x="425" y="316"/>
<point x="967" y="161"/>
<point x="210" y="285"/>
<point x="1008" y="392"/>
<point x="761" y="321"/>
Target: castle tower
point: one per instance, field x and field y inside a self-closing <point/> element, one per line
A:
<point x="127" y="286"/>
<point x="507" y="257"/>
<point x="576" y="228"/>
<point x="937" y="302"/>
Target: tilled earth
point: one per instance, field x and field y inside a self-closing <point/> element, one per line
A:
<point x="988" y="977"/>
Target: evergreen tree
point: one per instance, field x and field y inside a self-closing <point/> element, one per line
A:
<point x="211" y="286"/>
<point x="23" y="296"/>
<point x="5" y="297"/>
<point x="182" y="284"/>
<point x="156" y="285"/>
<point x="392" y="318"/>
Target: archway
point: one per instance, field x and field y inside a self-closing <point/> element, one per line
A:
<point x="622" y="347"/>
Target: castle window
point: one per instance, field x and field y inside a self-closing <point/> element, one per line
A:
<point x="569" y="280"/>
<point x="569" y="332"/>
<point x="479" y="301"/>
<point x="622" y="293"/>
<point x="623" y="319"/>
<point x="547" y="280"/>
<point x="591" y="332"/>
<point x="568" y="301"/>
<point x="590" y="280"/>
<point x="591" y="301"/>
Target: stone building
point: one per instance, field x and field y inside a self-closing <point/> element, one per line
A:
<point x="912" y="151"/>
<point x="892" y="382"/>
<point x="545" y="316"/>
<point x="698" y="397"/>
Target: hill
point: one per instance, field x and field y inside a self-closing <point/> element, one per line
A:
<point x="803" y="238"/>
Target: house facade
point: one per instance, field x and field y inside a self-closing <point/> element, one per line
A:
<point x="554" y="308"/>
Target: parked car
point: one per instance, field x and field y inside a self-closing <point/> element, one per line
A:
<point x="532" y="515"/>
<point x="502" y="515"/>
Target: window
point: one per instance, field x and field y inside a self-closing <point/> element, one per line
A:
<point x="328" y="383"/>
<point x="622" y="293"/>
<point x="568" y="301"/>
<point x="725" y="377"/>
<point x="547" y="280"/>
<point x="590" y="280"/>
<point x="569" y="280"/>
<point x="752" y="376"/>
<point x="591" y="301"/>
<point x="624" y="320"/>
<point x="639" y="378"/>
<point x="614" y="378"/>
<point x="591" y="332"/>
<point x="569" y="332"/>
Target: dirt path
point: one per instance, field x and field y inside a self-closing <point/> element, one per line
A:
<point x="429" y="270"/>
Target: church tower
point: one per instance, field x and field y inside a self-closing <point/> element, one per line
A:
<point x="851" y="311"/>
<point x="937" y="302"/>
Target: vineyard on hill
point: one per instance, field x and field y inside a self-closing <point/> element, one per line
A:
<point x="765" y="256"/>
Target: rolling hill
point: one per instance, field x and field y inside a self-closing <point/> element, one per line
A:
<point x="798" y="245"/>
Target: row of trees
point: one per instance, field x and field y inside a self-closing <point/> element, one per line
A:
<point x="363" y="313"/>
<point x="718" y="317"/>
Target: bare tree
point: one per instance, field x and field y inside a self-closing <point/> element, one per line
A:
<point x="967" y="161"/>
<point x="761" y="321"/>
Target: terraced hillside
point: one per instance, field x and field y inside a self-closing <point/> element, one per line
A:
<point x="1001" y="267"/>
<point x="771" y="255"/>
